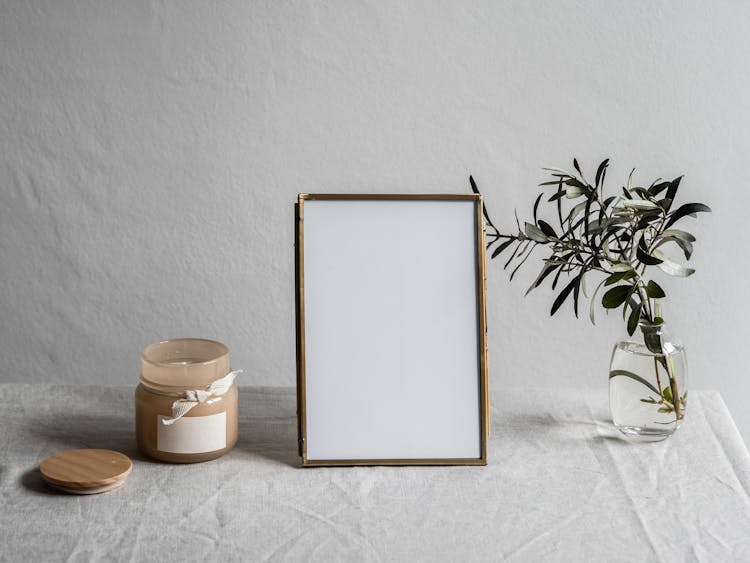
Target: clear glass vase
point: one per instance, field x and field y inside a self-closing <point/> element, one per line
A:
<point x="648" y="384"/>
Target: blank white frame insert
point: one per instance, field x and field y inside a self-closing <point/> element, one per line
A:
<point x="391" y="330"/>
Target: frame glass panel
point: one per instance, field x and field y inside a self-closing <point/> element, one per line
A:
<point x="391" y="330"/>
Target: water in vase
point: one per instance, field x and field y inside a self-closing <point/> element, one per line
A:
<point x="647" y="390"/>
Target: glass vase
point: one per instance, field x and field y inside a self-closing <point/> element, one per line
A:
<point x="648" y="384"/>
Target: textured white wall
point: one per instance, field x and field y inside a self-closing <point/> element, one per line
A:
<point x="151" y="153"/>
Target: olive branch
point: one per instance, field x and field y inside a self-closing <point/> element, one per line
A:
<point x="619" y="236"/>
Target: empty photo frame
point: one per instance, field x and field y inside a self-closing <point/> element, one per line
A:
<point x="391" y="330"/>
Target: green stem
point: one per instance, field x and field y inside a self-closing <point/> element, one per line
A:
<point x="644" y="298"/>
<point x="658" y="379"/>
<point x="657" y="347"/>
<point x="674" y="389"/>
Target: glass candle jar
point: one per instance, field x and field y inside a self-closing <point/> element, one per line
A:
<point x="186" y="402"/>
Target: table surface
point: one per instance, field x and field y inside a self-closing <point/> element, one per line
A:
<point x="560" y="485"/>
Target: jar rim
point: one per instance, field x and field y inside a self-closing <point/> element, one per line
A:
<point x="148" y="350"/>
<point x="187" y="363"/>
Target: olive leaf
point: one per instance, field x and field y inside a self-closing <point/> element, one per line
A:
<point x="635" y="377"/>
<point x="563" y="296"/>
<point x="618" y="237"/>
<point x="670" y="267"/>
<point x="535" y="233"/>
<point x="654" y="290"/>
<point x="616" y="296"/>
<point x="634" y="318"/>
<point x="687" y="209"/>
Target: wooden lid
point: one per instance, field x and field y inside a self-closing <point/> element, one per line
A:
<point x="81" y="470"/>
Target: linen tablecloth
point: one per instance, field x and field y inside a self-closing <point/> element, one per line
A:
<point x="560" y="486"/>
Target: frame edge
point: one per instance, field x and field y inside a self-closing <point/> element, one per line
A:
<point x="481" y="333"/>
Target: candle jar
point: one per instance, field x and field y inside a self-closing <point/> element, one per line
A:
<point x="186" y="402"/>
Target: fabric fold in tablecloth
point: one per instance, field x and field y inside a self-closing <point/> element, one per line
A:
<point x="560" y="485"/>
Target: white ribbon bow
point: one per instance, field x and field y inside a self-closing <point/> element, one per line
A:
<point x="193" y="397"/>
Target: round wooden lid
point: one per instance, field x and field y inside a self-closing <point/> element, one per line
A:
<point x="80" y="470"/>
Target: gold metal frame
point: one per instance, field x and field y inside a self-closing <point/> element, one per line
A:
<point x="300" y="330"/>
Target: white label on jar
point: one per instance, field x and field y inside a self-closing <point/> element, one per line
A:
<point x="192" y="434"/>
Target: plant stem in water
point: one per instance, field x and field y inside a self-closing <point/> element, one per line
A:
<point x="658" y="379"/>
<point x="674" y="389"/>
